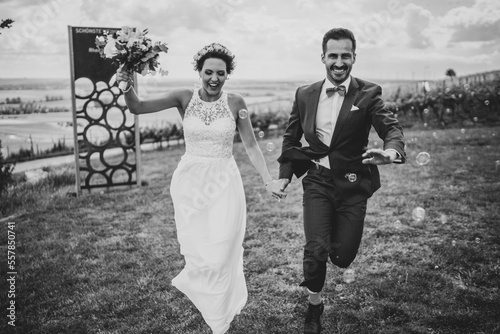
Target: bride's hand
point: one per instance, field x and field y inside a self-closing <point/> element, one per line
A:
<point x="274" y="188"/>
<point x="122" y="75"/>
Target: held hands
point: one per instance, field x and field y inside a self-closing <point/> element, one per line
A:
<point x="377" y="156"/>
<point x="274" y="187"/>
<point x="283" y="183"/>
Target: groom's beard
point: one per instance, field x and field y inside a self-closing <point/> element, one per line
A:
<point x="338" y="78"/>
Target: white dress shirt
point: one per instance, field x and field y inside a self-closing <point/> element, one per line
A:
<point x="327" y="114"/>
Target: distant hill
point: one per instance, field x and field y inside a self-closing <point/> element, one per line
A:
<point x="31" y="83"/>
<point x="234" y="84"/>
<point x="64" y="83"/>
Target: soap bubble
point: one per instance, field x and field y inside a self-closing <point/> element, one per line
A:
<point x="453" y="243"/>
<point x="243" y="113"/>
<point x="397" y="224"/>
<point x="486" y="102"/>
<point x="462" y="130"/>
<point x="349" y="276"/>
<point x="478" y="240"/>
<point x="418" y="214"/>
<point x="261" y="134"/>
<point x="270" y="147"/>
<point x="423" y="158"/>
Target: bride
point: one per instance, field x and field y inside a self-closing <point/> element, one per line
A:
<point x="206" y="187"/>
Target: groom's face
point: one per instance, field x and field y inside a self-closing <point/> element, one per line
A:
<point x="338" y="59"/>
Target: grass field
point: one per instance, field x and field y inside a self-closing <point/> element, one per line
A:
<point x="103" y="262"/>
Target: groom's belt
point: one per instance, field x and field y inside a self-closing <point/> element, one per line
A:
<point x="317" y="168"/>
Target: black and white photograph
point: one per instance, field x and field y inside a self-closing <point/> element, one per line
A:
<point x="250" y="167"/>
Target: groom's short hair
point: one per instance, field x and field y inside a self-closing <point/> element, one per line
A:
<point x="337" y="34"/>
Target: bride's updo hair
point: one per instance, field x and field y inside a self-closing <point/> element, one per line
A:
<point x="214" y="50"/>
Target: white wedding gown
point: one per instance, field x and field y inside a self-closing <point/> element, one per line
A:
<point x="210" y="214"/>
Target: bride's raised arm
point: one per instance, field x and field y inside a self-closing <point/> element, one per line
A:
<point x="175" y="98"/>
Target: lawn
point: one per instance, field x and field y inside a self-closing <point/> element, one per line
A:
<point x="103" y="262"/>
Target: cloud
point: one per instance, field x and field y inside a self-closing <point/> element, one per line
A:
<point x="417" y="21"/>
<point x="18" y="3"/>
<point x="482" y="32"/>
<point x="480" y="22"/>
<point x="271" y="39"/>
<point x="36" y="27"/>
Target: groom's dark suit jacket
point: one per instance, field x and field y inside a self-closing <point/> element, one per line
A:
<point x="362" y="108"/>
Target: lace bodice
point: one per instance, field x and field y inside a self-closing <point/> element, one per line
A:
<point x="209" y="127"/>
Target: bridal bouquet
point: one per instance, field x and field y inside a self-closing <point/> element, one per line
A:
<point x="132" y="50"/>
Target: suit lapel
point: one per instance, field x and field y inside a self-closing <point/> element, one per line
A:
<point x="345" y="110"/>
<point x="312" y="111"/>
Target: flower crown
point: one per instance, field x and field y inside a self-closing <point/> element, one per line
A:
<point x="214" y="47"/>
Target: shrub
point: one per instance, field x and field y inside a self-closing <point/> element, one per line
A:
<point x="460" y="105"/>
<point x="26" y="195"/>
<point x="5" y="173"/>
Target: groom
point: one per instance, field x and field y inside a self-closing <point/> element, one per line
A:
<point x="335" y="116"/>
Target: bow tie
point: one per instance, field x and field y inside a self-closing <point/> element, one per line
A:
<point x="340" y="89"/>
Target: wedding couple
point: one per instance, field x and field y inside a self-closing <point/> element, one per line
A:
<point x="334" y="116"/>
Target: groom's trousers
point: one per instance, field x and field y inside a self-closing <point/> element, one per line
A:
<point x="333" y="228"/>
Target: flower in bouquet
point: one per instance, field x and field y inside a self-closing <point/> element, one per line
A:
<point x="132" y="50"/>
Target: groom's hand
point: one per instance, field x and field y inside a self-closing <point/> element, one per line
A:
<point x="274" y="187"/>
<point x="377" y="156"/>
<point x="283" y="183"/>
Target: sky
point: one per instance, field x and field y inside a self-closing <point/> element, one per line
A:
<point x="272" y="39"/>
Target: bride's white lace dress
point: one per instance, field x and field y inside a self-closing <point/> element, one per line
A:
<point x="210" y="214"/>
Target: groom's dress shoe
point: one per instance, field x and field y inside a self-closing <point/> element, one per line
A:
<point x="313" y="323"/>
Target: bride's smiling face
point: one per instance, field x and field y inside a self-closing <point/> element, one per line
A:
<point x="213" y="76"/>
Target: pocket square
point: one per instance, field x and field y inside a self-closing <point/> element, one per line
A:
<point x="354" y="108"/>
